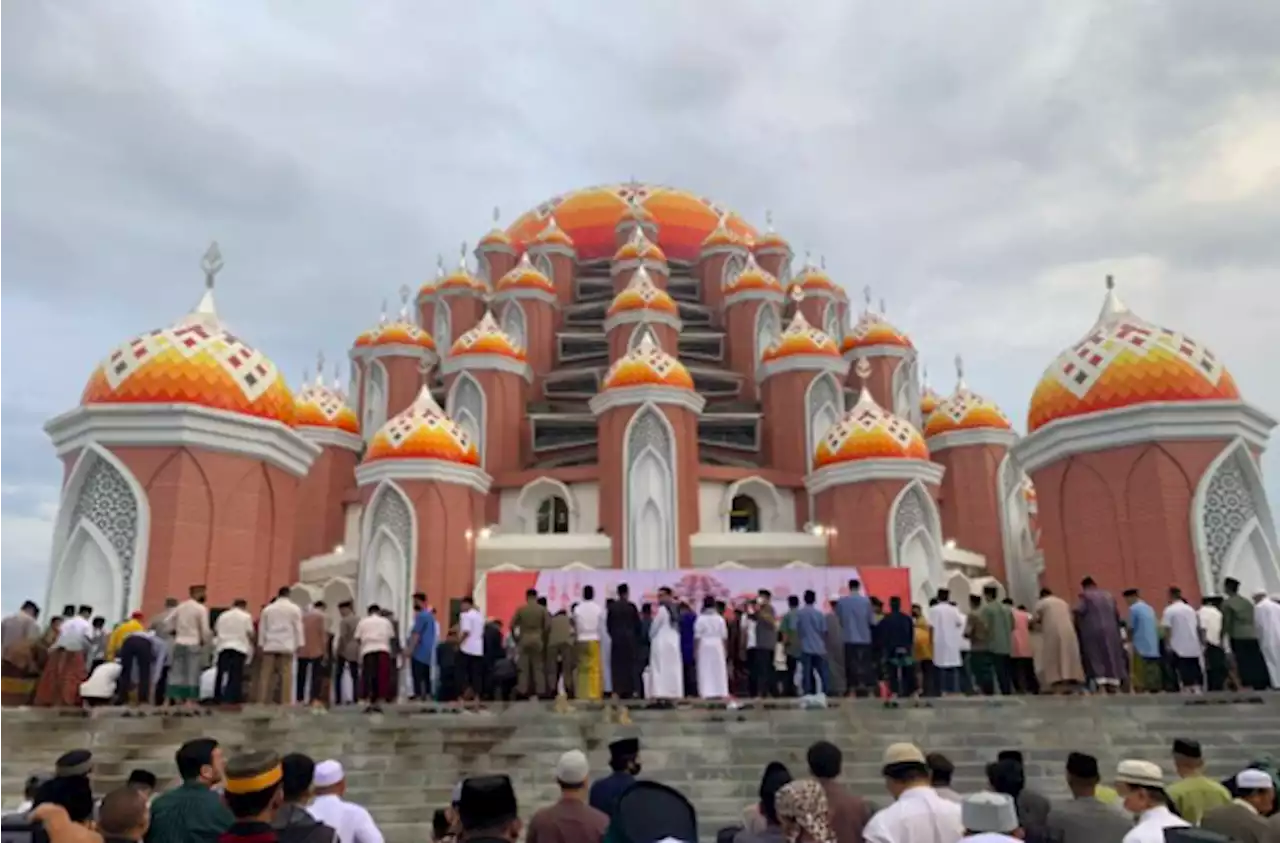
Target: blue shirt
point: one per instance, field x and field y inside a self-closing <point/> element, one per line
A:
<point x="687" y="621"/>
<point x="1142" y="630"/>
<point x="424" y="626"/>
<point x="811" y="625"/>
<point x="856" y="618"/>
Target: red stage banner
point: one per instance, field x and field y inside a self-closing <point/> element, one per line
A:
<point x="505" y="590"/>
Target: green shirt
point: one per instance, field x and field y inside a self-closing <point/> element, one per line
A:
<point x="789" y="634"/>
<point x="1196" y="794"/>
<point x="1237" y="618"/>
<point x="191" y="813"/>
<point x="998" y="620"/>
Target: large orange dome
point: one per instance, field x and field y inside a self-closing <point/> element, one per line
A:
<point x="196" y="361"/>
<point x="1126" y="361"/>
<point x="590" y="216"/>
<point x="319" y="405"/>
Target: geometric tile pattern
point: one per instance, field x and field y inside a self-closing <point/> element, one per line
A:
<point x="814" y="279"/>
<point x="867" y="432"/>
<point x="399" y="332"/>
<point x="873" y="329"/>
<point x="1126" y="361"/>
<point x="319" y="405"/>
<point x="197" y="361"/>
<point x="965" y="410"/>
<point x="642" y="294"/>
<point x="108" y="503"/>
<point x="589" y="217"/>
<point x="423" y="432"/>
<point x="752" y="277"/>
<point x="487" y="337"/>
<point x="800" y="338"/>
<point x="909" y="517"/>
<point x="647" y="365"/>
<point x="639" y="247"/>
<point x="1228" y="509"/>
<point x="524" y="275"/>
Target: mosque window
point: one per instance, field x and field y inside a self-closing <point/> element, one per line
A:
<point x="744" y="515"/>
<point x="553" y="516"/>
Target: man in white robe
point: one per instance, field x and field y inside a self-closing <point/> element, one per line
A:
<point x="665" y="664"/>
<point x="709" y="634"/>
<point x="947" y="625"/>
<point x="1266" y="620"/>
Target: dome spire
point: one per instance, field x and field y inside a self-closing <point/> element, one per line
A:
<point x="319" y="369"/>
<point x="382" y="317"/>
<point x="768" y="221"/>
<point x="439" y="266"/>
<point x="961" y="386"/>
<point x="337" y="379"/>
<point x="497" y="215"/>
<point x="1112" y="307"/>
<point x="863" y="371"/>
<point x="211" y="263"/>
<point x="405" y="292"/>
<point x="866" y="299"/>
<point x="462" y="257"/>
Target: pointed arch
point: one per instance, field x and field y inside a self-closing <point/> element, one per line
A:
<point x="823" y="408"/>
<point x="514" y="324"/>
<point x="483" y="270"/>
<point x="906" y="390"/>
<point x="768" y="327"/>
<point x="375" y="397"/>
<point x="649" y="501"/>
<point x="442" y="330"/>
<point x="1232" y="528"/>
<point x="1017" y="540"/>
<point x="732" y="268"/>
<point x="831" y="322"/>
<point x="768" y="503"/>
<point x="915" y="540"/>
<point x="639" y="332"/>
<point x="542" y="263"/>
<point x="535" y="493"/>
<point x="104" y="517"/>
<point x="468" y="407"/>
<point x="388" y="549"/>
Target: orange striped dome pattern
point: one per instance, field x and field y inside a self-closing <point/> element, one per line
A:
<point x="639" y="248"/>
<point x="423" y="432"/>
<point x="929" y="401"/>
<point x="1128" y="362"/>
<point x="869" y="432"/>
<point x="461" y="279"/>
<point x="800" y="338"/>
<point x="873" y="329"/>
<point x="722" y="235"/>
<point x="771" y="240"/>
<point x="194" y="362"/>
<point x="752" y="277"/>
<point x="647" y="365"/>
<point x="642" y="294"/>
<point x="399" y="332"/>
<point x="965" y="411"/>
<point x="487" y="338"/>
<point x="524" y="275"/>
<point x="320" y="406"/>
<point x="590" y="216"/>
<point x="811" y="279"/>
<point x="495" y="237"/>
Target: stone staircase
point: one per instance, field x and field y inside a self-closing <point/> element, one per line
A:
<point x="402" y="764"/>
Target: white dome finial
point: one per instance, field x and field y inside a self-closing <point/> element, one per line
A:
<point x="439" y="266"/>
<point x="1112" y="307"/>
<point x="462" y="257"/>
<point x="405" y="292"/>
<point x="497" y="215"/>
<point x="768" y="221"/>
<point x="319" y="369"/>
<point x="211" y="263"/>
<point x="961" y="386"/>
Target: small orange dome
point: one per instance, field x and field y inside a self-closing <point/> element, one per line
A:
<point x="770" y="241"/>
<point x="461" y="278"/>
<point x="525" y="276"/>
<point x="814" y="279"/>
<point x="752" y="277"/>
<point x="1126" y="361"/>
<point x="965" y="410"/>
<point x="496" y="236"/>
<point x="319" y="405"/>
<point x="800" y="338"/>
<point x="196" y="361"/>
<point x="399" y="332"/>
<point x="873" y="329"/>
<point x="642" y="294"/>
<point x="423" y="432"/>
<point x="929" y="399"/>
<point x="487" y="338"/>
<point x="869" y="432"/>
<point x="553" y="235"/>
<point x="639" y="247"/>
<point x="722" y="235"/>
<point x="647" y="365"/>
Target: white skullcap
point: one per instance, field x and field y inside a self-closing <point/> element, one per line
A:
<point x="1254" y="780"/>
<point x="572" y="768"/>
<point x="328" y="773"/>
<point x="987" y="811"/>
<point x="1140" y="773"/>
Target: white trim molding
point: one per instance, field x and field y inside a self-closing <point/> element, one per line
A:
<point x="532" y="496"/>
<point x="457" y="363"/>
<point x="494" y="246"/>
<point x="760" y="491"/>
<point x="722" y="249"/>
<point x="537" y="249"/>
<point x="394" y="349"/>
<point x="1263" y="521"/>
<point x="630" y="396"/>
<point x="872" y="351"/>
<point x="330" y="437"/>
<point x="183" y="425"/>
<point x="457" y="292"/>
<point x="858" y="471"/>
<point x="757" y="294"/>
<point x="978" y="436"/>
<point x="438" y="471"/>
<point x="527" y="294"/>
<point x="660" y="267"/>
<point x="802" y="363"/>
<point x="643" y="316"/>
<point x="1170" y="421"/>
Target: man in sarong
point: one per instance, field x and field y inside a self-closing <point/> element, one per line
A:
<point x="623" y="622"/>
<point x="19" y="634"/>
<point x="1239" y="628"/>
<point x="586" y="626"/>
<point x="1098" y="624"/>
<point x="67" y="666"/>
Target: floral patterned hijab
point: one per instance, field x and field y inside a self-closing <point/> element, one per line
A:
<point x="804" y="804"/>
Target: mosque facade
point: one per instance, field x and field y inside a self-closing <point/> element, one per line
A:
<point x="636" y="377"/>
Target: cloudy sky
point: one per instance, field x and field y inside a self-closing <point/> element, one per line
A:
<point x="981" y="165"/>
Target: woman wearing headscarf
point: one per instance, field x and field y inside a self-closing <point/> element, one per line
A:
<point x="804" y="813"/>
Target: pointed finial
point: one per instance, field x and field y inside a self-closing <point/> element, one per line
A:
<point x="1112" y="307"/>
<point x="382" y="318"/>
<point x="960" y="384"/>
<point x="405" y="292"/>
<point x="768" y="221"/>
<point x="319" y="365"/>
<point x="646" y="346"/>
<point x="1111" y="281"/>
<point x="924" y="377"/>
<point x="497" y="215"/>
<point x="822" y="262"/>
<point x="863" y="370"/>
<point x="462" y="257"/>
<point x="883" y="309"/>
<point x="211" y="263"/>
<point x="866" y="297"/>
<point x="337" y="379"/>
<point x="306" y="375"/>
<point x="439" y="265"/>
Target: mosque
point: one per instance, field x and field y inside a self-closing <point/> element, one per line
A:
<point x="635" y="377"/>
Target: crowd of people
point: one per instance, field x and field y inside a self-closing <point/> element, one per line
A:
<point x="665" y="650"/>
<point x="262" y="797"/>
